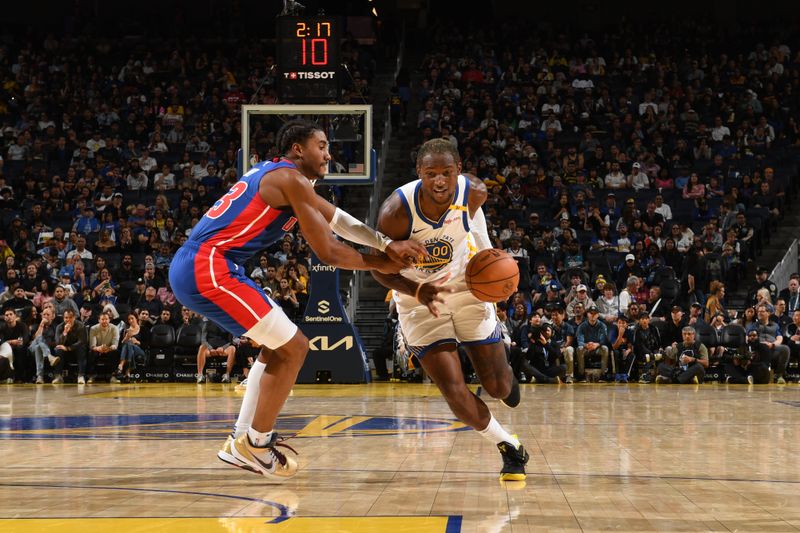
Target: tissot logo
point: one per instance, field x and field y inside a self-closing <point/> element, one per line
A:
<point x="323" y="307"/>
<point x="329" y="75"/>
<point x="322" y="343"/>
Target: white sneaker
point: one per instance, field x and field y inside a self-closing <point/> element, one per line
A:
<point x="781" y="381"/>
<point x="39" y="380"/>
<point x="268" y="461"/>
<point x="58" y="380"/>
<point x="201" y="378"/>
<point x="226" y="378"/>
<point x="81" y="380"/>
<point x="750" y="380"/>
<point x="53" y="359"/>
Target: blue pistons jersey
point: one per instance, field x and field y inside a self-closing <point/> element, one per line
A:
<point x="241" y="224"/>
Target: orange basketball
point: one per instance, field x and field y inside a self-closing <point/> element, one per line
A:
<point x="492" y="275"/>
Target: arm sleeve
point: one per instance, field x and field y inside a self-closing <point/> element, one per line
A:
<point x="348" y="227"/>
<point x="479" y="230"/>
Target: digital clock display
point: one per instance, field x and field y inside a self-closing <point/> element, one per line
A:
<point x="308" y="59"/>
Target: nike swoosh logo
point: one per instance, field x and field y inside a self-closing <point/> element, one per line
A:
<point x="415" y="231"/>
<point x="267" y="466"/>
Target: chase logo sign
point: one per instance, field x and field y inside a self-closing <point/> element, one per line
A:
<point x="214" y="426"/>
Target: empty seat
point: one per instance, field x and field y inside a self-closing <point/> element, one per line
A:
<point x="161" y="347"/>
<point x="733" y="336"/>
<point x="187" y="344"/>
<point x="707" y="335"/>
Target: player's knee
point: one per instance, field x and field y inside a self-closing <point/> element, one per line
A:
<point x="496" y="387"/>
<point x="295" y="350"/>
<point x="454" y="393"/>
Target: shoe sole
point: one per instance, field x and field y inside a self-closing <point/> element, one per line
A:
<point x="253" y="468"/>
<point x="512" y="477"/>
<point x="233" y="461"/>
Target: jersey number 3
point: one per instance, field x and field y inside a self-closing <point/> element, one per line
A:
<point x="222" y="205"/>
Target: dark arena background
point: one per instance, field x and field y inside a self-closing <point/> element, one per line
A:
<point x="641" y="167"/>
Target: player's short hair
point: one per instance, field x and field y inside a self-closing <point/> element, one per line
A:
<point x="437" y="146"/>
<point x="295" y="131"/>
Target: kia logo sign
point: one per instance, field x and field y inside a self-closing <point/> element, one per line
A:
<point x="321" y="343"/>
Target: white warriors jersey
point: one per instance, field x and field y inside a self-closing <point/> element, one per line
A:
<point x="447" y="240"/>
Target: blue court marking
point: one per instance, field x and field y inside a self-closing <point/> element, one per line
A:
<point x="208" y="426"/>
<point x="453" y="524"/>
<point x="285" y="512"/>
<point x="790" y="403"/>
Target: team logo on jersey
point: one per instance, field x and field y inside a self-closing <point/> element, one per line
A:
<point x="440" y="252"/>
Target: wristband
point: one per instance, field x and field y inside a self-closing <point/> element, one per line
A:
<point x="385" y="241"/>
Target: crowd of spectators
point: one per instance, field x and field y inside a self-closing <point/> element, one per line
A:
<point x="650" y="178"/>
<point x="632" y="177"/>
<point x="110" y="151"/>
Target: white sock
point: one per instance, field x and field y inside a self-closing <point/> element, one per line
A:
<point x="258" y="438"/>
<point x="248" y="409"/>
<point x="497" y="434"/>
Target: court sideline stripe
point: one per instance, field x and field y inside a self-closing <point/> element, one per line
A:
<point x="460" y="472"/>
<point x="279" y="506"/>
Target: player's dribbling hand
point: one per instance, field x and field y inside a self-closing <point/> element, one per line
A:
<point x="406" y="252"/>
<point x="428" y="294"/>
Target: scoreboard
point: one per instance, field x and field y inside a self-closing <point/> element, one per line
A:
<point x="308" y="59"/>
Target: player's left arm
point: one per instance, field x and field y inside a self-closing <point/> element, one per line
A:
<point x="348" y="227"/>
<point x="477" y="220"/>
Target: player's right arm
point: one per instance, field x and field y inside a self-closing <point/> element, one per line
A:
<point x="477" y="220"/>
<point x="394" y="223"/>
<point x="296" y="190"/>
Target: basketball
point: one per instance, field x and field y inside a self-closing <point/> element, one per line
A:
<point x="492" y="275"/>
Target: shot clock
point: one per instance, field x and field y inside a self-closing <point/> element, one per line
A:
<point x="308" y="59"/>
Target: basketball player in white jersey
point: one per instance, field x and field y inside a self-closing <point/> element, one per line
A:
<point x="436" y="310"/>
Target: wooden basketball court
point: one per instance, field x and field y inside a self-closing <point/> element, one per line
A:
<point x="391" y="458"/>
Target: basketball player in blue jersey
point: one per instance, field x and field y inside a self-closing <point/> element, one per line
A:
<point x="435" y="309"/>
<point x="207" y="276"/>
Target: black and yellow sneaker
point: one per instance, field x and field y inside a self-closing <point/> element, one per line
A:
<point x="514" y="461"/>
